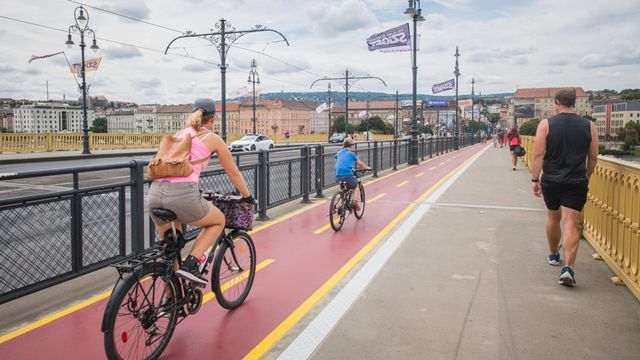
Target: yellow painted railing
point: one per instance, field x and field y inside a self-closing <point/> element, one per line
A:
<point x="611" y="217"/>
<point x="97" y="141"/>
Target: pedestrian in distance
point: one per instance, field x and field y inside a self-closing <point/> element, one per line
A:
<point x="566" y="152"/>
<point x="513" y="137"/>
<point x="494" y="137"/>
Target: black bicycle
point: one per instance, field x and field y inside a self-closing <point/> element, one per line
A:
<point x="149" y="300"/>
<point x="343" y="204"/>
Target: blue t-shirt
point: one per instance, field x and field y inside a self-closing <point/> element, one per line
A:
<point x="345" y="161"/>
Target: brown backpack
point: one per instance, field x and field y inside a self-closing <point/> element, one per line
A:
<point x="172" y="158"/>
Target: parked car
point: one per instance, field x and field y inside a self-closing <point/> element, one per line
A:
<point x="337" y="138"/>
<point x="251" y="143"/>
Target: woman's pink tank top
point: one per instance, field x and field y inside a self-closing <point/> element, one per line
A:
<point x="198" y="151"/>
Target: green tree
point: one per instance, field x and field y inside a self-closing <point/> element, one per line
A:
<point x="376" y="126"/>
<point x="590" y="118"/>
<point x="494" y="118"/>
<point x="474" y="127"/>
<point x="338" y="125"/>
<point x="99" y="125"/>
<point x="630" y="94"/>
<point x="529" y="128"/>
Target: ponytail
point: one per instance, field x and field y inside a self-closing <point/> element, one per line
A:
<point x="195" y="119"/>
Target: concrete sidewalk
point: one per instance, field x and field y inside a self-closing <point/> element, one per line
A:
<point x="471" y="281"/>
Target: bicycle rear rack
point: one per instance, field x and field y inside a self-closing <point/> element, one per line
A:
<point x="132" y="263"/>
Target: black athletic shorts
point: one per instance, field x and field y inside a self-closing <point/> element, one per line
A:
<point x="572" y="196"/>
<point x="513" y="147"/>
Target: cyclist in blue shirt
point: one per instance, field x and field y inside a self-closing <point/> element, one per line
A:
<point x="345" y="161"/>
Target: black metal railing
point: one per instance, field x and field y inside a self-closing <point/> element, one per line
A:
<point x="68" y="230"/>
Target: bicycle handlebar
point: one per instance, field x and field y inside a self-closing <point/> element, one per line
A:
<point x="232" y="198"/>
<point x="360" y="172"/>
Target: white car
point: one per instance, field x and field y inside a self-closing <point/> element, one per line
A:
<point x="251" y="143"/>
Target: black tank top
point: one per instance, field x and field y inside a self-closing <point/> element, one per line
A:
<point x="568" y="142"/>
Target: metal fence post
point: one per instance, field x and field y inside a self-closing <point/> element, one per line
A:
<point x="319" y="171"/>
<point x="304" y="173"/>
<point x="375" y="158"/>
<point x="422" y="149"/>
<point x="137" y="207"/>
<point x="395" y="154"/>
<point x="76" y="225"/>
<point x="263" y="182"/>
<point x="430" y="148"/>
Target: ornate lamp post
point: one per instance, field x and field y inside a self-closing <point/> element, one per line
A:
<point x="81" y="26"/>
<point x="415" y="13"/>
<point x="222" y="38"/>
<point x="254" y="78"/>
<point x="456" y="72"/>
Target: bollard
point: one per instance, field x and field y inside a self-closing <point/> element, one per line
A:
<point x="263" y="184"/>
<point x="137" y="207"/>
<point x="305" y="174"/>
<point x="319" y="171"/>
<point x="375" y="158"/>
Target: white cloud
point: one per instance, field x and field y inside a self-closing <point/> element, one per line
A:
<point x="349" y="15"/>
<point x="454" y="4"/>
<point x="596" y="60"/>
<point x="122" y="52"/>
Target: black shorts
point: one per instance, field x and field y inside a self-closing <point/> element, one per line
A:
<point x="513" y="147"/>
<point x="572" y="196"/>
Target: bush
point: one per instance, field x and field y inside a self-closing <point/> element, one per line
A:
<point x="612" y="152"/>
<point x="529" y="128"/>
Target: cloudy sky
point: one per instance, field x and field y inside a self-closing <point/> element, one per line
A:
<point x="504" y="45"/>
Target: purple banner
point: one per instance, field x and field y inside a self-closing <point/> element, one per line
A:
<point x="447" y="85"/>
<point x="397" y="38"/>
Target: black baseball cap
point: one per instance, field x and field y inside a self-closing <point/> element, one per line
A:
<point x="208" y="105"/>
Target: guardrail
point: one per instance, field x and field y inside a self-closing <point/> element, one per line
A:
<point x="13" y="142"/>
<point x="53" y="233"/>
<point x="611" y="217"/>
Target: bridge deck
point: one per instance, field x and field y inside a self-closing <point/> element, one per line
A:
<point x="465" y="277"/>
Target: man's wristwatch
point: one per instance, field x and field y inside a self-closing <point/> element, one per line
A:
<point x="535" y="180"/>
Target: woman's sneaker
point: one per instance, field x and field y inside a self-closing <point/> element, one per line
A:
<point x="190" y="271"/>
<point x="554" y="259"/>
<point x="566" y="277"/>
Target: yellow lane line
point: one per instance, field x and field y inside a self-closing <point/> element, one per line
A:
<point x="236" y="280"/>
<point x="432" y="168"/>
<point x="322" y="229"/>
<point x="376" y="198"/>
<point x="276" y="334"/>
<point x="286" y="217"/>
<point x="422" y="173"/>
<point x="402" y="183"/>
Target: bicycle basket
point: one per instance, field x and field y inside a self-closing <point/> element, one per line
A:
<point x="236" y="215"/>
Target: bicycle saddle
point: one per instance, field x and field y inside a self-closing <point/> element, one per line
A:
<point x="164" y="214"/>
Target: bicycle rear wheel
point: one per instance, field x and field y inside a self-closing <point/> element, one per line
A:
<point x="357" y="213"/>
<point x="234" y="269"/>
<point x="141" y="315"/>
<point x="337" y="211"/>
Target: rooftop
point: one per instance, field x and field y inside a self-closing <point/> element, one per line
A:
<point x="544" y="92"/>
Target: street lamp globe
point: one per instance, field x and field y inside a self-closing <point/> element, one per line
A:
<point x="69" y="42"/>
<point x="81" y="19"/>
<point x="94" y="46"/>
<point x="411" y="8"/>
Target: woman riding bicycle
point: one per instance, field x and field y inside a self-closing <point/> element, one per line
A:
<point x="345" y="159"/>
<point x="182" y="196"/>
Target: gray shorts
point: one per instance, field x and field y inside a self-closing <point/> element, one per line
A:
<point x="184" y="199"/>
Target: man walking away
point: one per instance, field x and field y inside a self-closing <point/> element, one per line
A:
<point x="562" y="144"/>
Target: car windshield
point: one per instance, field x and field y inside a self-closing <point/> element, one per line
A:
<point x="248" y="138"/>
<point x="339" y="135"/>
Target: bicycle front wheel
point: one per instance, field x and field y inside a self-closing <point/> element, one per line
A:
<point x="234" y="269"/>
<point x="141" y="315"/>
<point x="359" y="213"/>
<point x="337" y="211"/>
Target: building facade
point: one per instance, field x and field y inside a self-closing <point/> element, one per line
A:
<point x="319" y="121"/>
<point x="529" y="103"/>
<point x="6" y="120"/>
<point x="172" y="118"/>
<point x="611" y="115"/>
<point x="145" y="119"/>
<point x="121" y="121"/>
<point x="233" y="118"/>
<point x="276" y="116"/>
<point x="50" y="117"/>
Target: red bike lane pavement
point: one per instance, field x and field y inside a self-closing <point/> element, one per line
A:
<point x="296" y="264"/>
